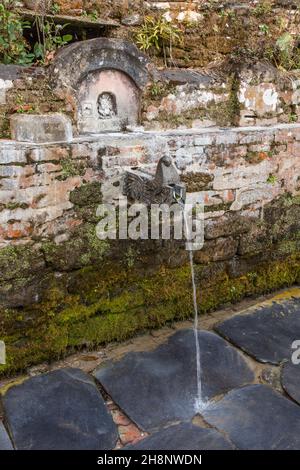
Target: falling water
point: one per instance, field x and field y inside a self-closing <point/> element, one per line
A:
<point x="200" y="403"/>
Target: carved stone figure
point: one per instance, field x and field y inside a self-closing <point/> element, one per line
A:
<point x="160" y="189"/>
<point x="107" y="106"/>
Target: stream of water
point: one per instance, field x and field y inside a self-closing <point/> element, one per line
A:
<point x="200" y="403"/>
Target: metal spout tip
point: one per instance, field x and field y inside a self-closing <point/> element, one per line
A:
<point x="179" y="193"/>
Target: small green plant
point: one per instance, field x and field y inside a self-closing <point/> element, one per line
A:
<point x="14" y="49"/>
<point x="286" y="53"/>
<point x="293" y="117"/>
<point x="68" y="169"/>
<point x="272" y="179"/>
<point x="130" y="257"/>
<point x="93" y="15"/>
<point x="50" y="39"/>
<point x="227" y="14"/>
<point x="13" y="46"/>
<point x="158" y="34"/>
<point x="263" y="9"/>
<point x="252" y="276"/>
<point x="24" y="109"/>
<point x="55" y="9"/>
<point x="264" y="29"/>
<point x="159" y="89"/>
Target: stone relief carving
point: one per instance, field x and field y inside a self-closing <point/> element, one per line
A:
<point x="107" y="105"/>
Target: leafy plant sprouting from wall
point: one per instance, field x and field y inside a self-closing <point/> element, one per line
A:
<point x="287" y="52"/>
<point x="13" y="46"/>
<point x="50" y="38"/>
<point x="15" y="49"/>
<point x="50" y="35"/>
<point x="158" y="34"/>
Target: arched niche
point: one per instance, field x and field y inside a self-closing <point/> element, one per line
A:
<point x="83" y="71"/>
<point x="108" y="100"/>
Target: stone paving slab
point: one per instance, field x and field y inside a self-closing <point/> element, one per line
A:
<point x="267" y="333"/>
<point x="158" y="387"/>
<point x="5" y="442"/>
<point x="290" y="380"/>
<point x="257" y="418"/>
<point x="59" y="410"/>
<point x="184" y="436"/>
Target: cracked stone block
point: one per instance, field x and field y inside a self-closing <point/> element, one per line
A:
<point x="5" y="442"/>
<point x="257" y="418"/>
<point x="4" y="86"/>
<point x="290" y="380"/>
<point x="41" y="128"/>
<point x="61" y="410"/>
<point x="184" y="436"/>
<point x="159" y="387"/>
<point x="267" y="333"/>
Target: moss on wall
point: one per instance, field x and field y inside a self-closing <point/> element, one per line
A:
<point x="31" y="94"/>
<point x="115" y="304"/>
<point x="88" y="292"/>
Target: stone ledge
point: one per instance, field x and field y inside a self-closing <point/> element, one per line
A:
<point x="205" y="135"/>
<point x="41" y="128"/>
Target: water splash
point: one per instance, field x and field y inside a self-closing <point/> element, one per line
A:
<point x="200" y="402"/>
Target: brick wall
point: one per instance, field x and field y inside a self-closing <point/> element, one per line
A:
<point x="247" y="168"/>
<point x="61" y="287"/>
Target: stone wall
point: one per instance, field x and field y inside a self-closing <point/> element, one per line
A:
<point x="61" y="287"/>
<point x="252" y="96"/>
<point x="216" y="30"/>
<point x="171" y="98"/>
<point x="212" y="30"/>
<point x="26" y="91"/>
<point x="239" y="169"/>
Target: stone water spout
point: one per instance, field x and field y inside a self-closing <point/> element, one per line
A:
<point x="164" y="188"/>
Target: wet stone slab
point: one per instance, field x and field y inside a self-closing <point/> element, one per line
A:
<point x="5" y="442"/>
<point x="59" y="410"/>
<point x="159" y="387"/>
<point x="267" y="333"/>
<point x="257" y="418"/>
<point x="184" y="436"/>
<point x="290" y="380"/>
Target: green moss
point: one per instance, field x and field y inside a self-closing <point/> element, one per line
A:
<point x="15" y="262"/>
<point x="272" y="179"/>
<point x="227" y="112"/>
<point x="197" y="181"/>
<point x="83" y="248"/>
<point x="16" y="205"/>
<point x="120" y="312"/>
<point x="87" y="194"/>
<point x="223" y="206"/>
<point x="130" y="257"/>
<point x="101" y="296"/>
<point x="185" y="118"/>
<point x="288" y="247"/>
<point x="70" y="168"/>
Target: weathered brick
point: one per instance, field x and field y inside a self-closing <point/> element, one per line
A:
<point x="48" y="167"/>
<point x="284" y="135"/>
<point x="253" y="194"/>
<point x="54" y="127"/>
<point x="230" y="224"/>
<point x="243" y="176"/>
<point x="10" y="154"/>
<point x="216" y="250"/>
<point x="227" y="137"/>
<point x="205" y="139"/>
